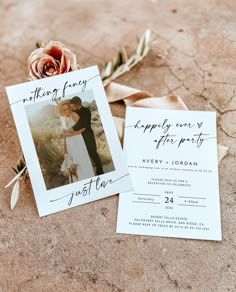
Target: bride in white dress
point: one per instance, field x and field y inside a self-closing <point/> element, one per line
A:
<point x="77" y="160"/>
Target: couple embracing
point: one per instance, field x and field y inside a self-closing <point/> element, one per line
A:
<point x="79" y="140"/>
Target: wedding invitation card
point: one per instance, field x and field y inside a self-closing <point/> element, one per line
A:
<point x="172" y="160"/>
<point x="69" y="140"/>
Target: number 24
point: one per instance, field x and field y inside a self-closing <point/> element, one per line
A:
<point x="169" y="200"/>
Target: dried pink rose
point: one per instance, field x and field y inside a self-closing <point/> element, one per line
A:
<point x="53" y="59"/>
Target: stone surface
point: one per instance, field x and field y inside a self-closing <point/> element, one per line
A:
<point x="78" y="249"/>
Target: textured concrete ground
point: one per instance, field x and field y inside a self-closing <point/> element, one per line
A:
<point x="78" y="250"/>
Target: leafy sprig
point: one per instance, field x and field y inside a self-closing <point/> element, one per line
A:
<point x="21" y="173"/>
<point x="121" y="63"/>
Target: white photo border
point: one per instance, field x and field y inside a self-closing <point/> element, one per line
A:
<point x="81" y="192"/>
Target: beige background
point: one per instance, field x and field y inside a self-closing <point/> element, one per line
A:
<point x="78" y="250"/>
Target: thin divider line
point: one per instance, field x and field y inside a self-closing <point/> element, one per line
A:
<point x="191" y="198"/>
<point x="145" y="202"/>
<point x="191" y="205"/>
<point x="146" y="194"/>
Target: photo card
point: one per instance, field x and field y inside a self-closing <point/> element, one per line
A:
<point x="69" y="140"/>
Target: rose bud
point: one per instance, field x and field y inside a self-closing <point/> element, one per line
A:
<point x="53" y="59"/>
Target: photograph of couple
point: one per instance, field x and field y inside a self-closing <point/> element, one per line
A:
<point x="69" y="139"/>
<point x="79" y="140"/>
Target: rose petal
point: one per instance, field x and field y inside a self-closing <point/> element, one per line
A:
<point x="68" y="64"/>
<point x="32" y="74"/>
<point x="36" y="55"/>
<point x="51" y="71"/>
<point x="40" y="67"/>
<point x="35" y="52"/>
<point x="33" y="69"/>
<point x="35" y="59"/>
<point x="63" y="65"/>
<point x="54" y="43"/>
<point x="46" y="63"/>
<point x="72" y="57"/>
<point x="55" y="52"/>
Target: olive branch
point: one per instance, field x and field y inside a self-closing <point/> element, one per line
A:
<point x="121" y="63"/>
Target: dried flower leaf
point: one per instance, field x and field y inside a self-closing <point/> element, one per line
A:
<point x="122" y="64"/>
<point x="39" y="44"/>
<point x="130" y="61"/>
<point x="15" y="178"/>
<point x="117" y="61"/>
<point x="20" y="164"/>
<point x="108" y="69"/>
<point x="141" y="45"/>
<point x="147" y="46"/>
<point x="147" y="37"/>
<point x="124" y="55"/>
<point x="15" y="194"/>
